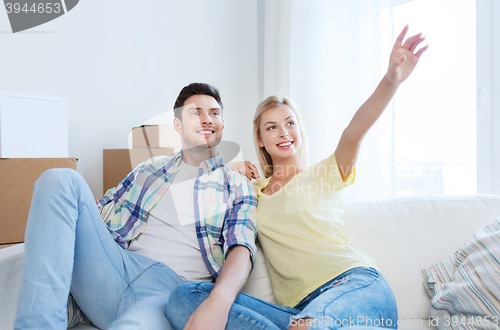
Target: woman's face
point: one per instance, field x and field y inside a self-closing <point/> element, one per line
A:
<point x="279" y="133"/>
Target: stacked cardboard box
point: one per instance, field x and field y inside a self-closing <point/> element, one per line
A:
<point x="33" y="139"/>
<point x="147" y="141"/>
<point x="17" y="176"/>
<point x="155" y="136"/>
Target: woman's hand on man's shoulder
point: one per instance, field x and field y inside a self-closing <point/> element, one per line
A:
<point x="246" y="169"/>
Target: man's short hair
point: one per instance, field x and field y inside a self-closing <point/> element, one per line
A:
<point x="195" y="89"/>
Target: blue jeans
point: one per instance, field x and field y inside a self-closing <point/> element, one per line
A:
<point x="360" y="294"/>
<point x="68" y="247"/>
<point x="246" y="313"/>
<point x="360" y="297"/>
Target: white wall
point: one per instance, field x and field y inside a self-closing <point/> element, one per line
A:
<point x="121" y="62"/>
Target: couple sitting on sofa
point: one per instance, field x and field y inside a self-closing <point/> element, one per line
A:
<point x="178" y="238"/>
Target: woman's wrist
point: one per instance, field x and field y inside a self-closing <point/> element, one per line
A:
<point x="389" y="83"/>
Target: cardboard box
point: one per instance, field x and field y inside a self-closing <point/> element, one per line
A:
<point x="117" y="163"/>
<point x="155" y="136"/>
<point x="33" y="126"/>
<point x="17" y="177"/>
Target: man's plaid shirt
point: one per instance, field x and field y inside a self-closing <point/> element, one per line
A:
<point x="224" y="204"/>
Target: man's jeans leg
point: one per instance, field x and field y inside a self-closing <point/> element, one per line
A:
<point x="67" y="245"/>
<point x="151" y="290"/>
<point x="247" y="312"/>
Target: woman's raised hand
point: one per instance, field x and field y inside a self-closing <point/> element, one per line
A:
<point x="403" y="57"/>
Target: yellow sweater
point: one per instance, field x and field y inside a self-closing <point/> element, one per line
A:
<point x="301" y="230"/>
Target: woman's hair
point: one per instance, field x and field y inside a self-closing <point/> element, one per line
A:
<point x="271" y="102"/>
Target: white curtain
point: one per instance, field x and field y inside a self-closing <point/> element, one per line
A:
<point x="329" y="56"/>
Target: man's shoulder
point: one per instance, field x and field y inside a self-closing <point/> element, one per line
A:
<point x="229" y="174"/>
<point x="235" y="179"/>
<point x="151" y="166"/>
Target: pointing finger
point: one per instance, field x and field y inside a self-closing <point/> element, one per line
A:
<point x="399" y="40"/>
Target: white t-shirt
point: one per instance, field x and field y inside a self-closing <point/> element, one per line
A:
<point x="170" y="236"/>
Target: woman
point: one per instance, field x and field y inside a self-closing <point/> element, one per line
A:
<point x="313" y="266"/>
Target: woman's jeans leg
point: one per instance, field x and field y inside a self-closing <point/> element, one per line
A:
<point x="360" y="297"/>
<point x="247" y="312"/>
<point x="68" y="246"/>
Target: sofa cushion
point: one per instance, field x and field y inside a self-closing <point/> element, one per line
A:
<point x="465" y="287"/>
<point x="11" y="265"/>
<point x="259" y="283"/>
<point x="407" y="234"/>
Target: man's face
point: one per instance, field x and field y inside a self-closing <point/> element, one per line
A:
<point x="202" y="122"/>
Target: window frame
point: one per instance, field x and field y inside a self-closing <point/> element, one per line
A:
<point x="488" y="102"/>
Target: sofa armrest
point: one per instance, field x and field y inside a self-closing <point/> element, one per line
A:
<point x="11" y="266"/>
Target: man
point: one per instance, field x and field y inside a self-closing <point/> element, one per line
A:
<point x="69" y="247"/>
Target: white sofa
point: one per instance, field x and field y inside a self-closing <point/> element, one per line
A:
<point x="404" y="235"/>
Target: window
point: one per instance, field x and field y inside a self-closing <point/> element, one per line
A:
<point x="434" y="117"/>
